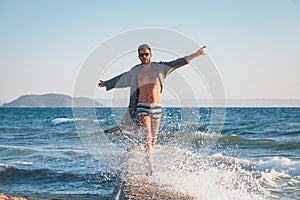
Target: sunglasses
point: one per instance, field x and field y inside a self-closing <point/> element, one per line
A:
<point x="144" y="54"/>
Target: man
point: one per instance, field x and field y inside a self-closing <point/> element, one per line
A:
<point x="146" y="84"/>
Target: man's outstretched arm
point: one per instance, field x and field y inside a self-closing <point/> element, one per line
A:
<point x="120" y="81"/>
<point x="183" y="61"/>
<point x="198" y="53"/>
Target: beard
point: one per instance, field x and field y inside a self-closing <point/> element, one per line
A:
<point x="145" y="61"/>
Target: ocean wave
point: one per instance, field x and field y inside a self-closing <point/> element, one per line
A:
<point x="200" y="138"/>
<point x="15" y="151"/>
<point x="235" y="139"/>
<point x="62" y="120"/>
<point x="220" y="176"/>
<point x="265" y="143"/>
<point x="290" y="132"/>
<point x="278" y="164"/>
<point x="288" y="145"/>
<point x="205" y="177"/>
<point x="22" y="163"/>
<point x="10" y="173"/>
<point x="228" y="177"/>
<point x="10" y="129"/>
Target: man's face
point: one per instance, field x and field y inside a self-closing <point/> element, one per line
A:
<point x="145" y="56"/>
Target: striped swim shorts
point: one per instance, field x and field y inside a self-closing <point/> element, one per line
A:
<point x="152" y="110"/>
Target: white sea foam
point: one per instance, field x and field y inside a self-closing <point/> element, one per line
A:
<point x="61" y="120"/>
<point x="278" y="164"/>
<point x="225" y="177"/>
<point x="278" y="177"/>
<point x="100" y="120"/>
<point x="207" y="177"/>
<point x="22" y="163"/>
<point x="282" y="165"/>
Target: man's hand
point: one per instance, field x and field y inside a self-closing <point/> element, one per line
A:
<point x="200" y="52"/>
<point x="101" y="83"/>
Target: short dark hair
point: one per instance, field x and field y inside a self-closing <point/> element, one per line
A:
<point x="144" y="46"/>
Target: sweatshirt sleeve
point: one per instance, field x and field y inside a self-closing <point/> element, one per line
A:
<point x="120" y="81"/>
<point x="175" y="64"/>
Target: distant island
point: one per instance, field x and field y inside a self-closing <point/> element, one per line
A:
<point x="61" y="100"/>
<point x="52" y="100"/>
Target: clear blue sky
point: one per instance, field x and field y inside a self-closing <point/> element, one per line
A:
<point x="254" y="44"/>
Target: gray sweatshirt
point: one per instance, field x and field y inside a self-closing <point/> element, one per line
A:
<point x="130" y="79"/>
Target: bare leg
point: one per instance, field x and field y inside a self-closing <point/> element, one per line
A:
<point x="145" y="122"/>
<point x="149" y="163"/>
<point x="154" y="130"/>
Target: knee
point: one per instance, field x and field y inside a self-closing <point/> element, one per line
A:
<point x="144" y="121"/>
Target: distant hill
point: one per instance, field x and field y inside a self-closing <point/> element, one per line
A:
<point x="60" y="100"/>
<point x="51" y="100"/>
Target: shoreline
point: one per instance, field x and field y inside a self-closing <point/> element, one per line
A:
<point x="11" y="197"/>
<point x="50" y="197"/>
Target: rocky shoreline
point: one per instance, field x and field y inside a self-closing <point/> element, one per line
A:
<point x="10" y="197"/>
<point x="48" y="197"/>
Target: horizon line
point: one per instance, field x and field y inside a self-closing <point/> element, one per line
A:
<point x="185" y="99"/>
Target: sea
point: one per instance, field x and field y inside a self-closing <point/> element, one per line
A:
<point x="254" y="153"/>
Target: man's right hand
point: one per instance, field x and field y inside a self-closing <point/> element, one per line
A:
<point x="200" y="52"/>
<point x="101" y="83"/>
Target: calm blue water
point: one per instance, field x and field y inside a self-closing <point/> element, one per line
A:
<point x="41" y="151"/>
